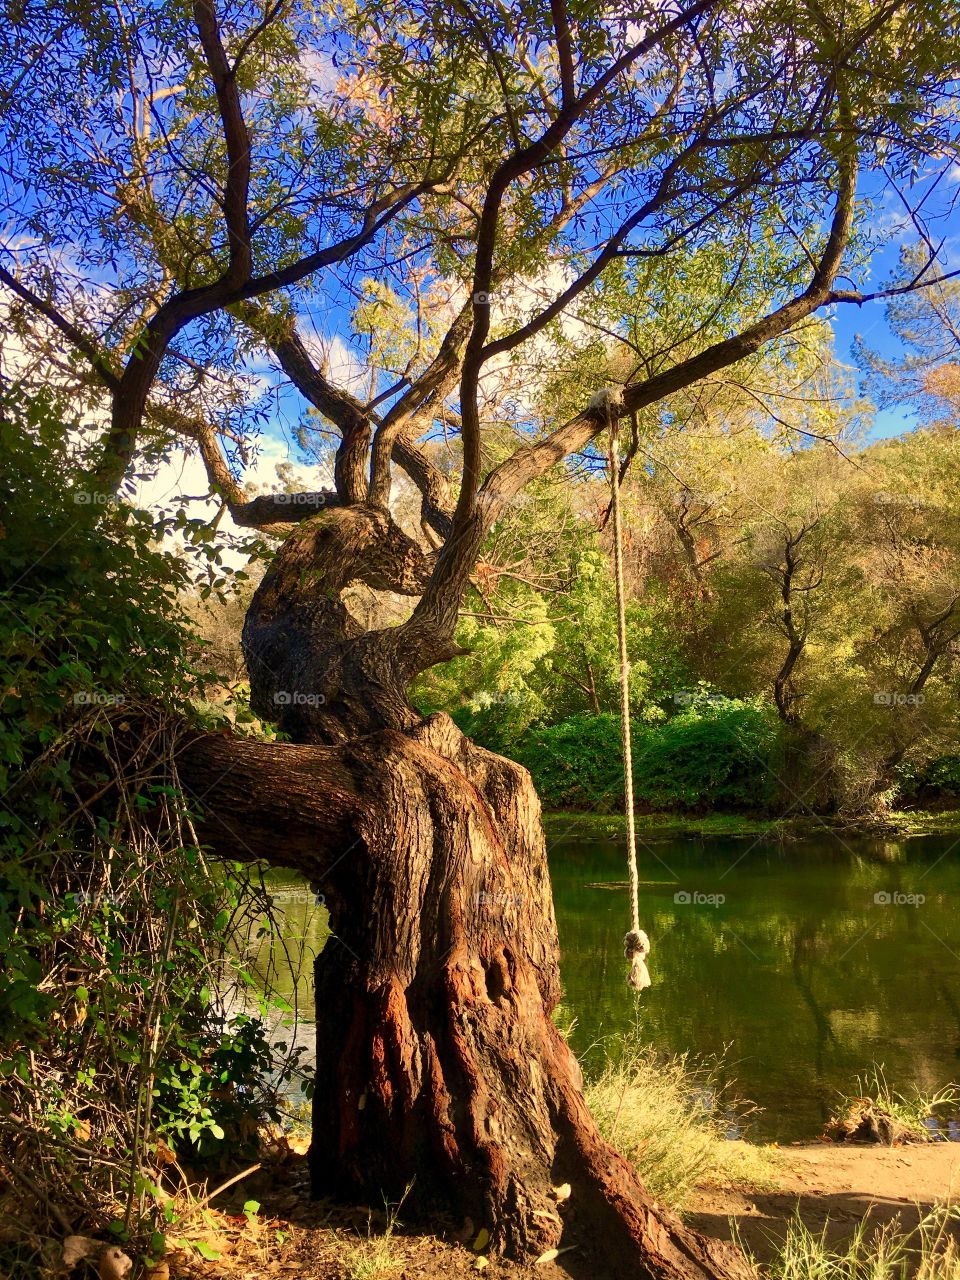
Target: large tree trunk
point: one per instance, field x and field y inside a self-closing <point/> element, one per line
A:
<point x="440" y="1074"/>
<point x="439" y="1068"/>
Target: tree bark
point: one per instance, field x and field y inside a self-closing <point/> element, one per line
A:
<point x="439" y="1070"/>
<point x="314" y="669"/>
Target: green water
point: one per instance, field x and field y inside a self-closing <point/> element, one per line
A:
<point x="785" y="966"/>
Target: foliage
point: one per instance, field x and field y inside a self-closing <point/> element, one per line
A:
<point x="939" y="777"/>
<point x="717" y="752"/>
<point x="576" y="764"/>
<point x="858" y="661"/>
<point x="123" y="1037"/>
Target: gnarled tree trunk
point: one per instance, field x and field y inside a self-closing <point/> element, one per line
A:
<point x="440" y="1074"/>
<point x="439" y="1068"/>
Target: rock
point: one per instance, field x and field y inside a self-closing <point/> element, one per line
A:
<point x="114" y="1264"/>
<point x="78" y="1248"/>
<point x="865" y="1121"/>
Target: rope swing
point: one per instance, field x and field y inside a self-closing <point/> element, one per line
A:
<point x="636" y="944"/>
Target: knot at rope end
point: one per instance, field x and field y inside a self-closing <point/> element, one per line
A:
<point x="636" y="943"/>
<point x="636" y="948"/>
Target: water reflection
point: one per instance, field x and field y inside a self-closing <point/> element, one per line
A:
<point x="804" y="964"/>
<point x="801" y="965"/>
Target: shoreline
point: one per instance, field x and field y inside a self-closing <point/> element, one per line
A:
<point x="899" y="824"/>
<point x="832" y="1188"/>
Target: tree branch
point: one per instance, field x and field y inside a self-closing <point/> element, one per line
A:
<point x="436" y="613"/>
<point x="306" y="792"/>
<point x="83" y="343"/>
<point x="237" y="184"/>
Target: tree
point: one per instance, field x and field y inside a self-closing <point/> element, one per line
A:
<point x="907" y="597"/>
<point x="490" y="171"/>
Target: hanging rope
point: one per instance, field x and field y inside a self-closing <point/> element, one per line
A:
<point x="636" y="944"/>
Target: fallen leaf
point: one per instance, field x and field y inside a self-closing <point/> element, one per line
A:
<point x="562" y="1192"/>
<point x="548" y="1256"/>
<point x="480" y="1263"/>
<point x="76" y="1248"/>
<point x="482" y="1240"/>
<point x="114" y="1264"/>
<point x="160" y="1272"/>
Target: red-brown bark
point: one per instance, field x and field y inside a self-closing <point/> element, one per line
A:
<point x="440" y="1073"/>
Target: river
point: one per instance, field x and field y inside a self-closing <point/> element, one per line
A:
<point x="792" y="967"/>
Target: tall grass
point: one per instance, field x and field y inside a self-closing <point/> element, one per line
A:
<point x="671" y="1120"/>
<point x="930" y="1252"/>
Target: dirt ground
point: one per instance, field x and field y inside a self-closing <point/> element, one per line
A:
<point x="835" y="1186"/>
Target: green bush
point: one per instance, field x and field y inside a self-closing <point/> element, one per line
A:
<point x="576" y="764"/>
<point x="115" y="957"/>
<point x="934" y="779"/>
<point x="717" y="753"/>
<point x="488" y="726"/>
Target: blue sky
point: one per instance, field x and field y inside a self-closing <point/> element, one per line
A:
<point x="886" y="223"/>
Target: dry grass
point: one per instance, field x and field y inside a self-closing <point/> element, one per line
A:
<point x="671" y="1120"/>
<point x="930" y="1252"/>
<point x="376" y="1255"/>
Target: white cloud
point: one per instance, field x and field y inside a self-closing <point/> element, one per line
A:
<point x="182" y="484"/>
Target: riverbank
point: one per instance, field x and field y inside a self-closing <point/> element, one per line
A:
<point x="788" y="1204"/>
<point x="665" y="826"/>
<point x="833" y="1189"/>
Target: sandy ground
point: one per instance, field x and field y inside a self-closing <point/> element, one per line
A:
<point x="832" y="1187"/>
<point x="836" y="1187"/>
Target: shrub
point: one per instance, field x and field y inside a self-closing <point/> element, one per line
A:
<point x="576" y="764"/>
<point x="934" y="780"/>
<point x="716" y="753"/>
<point x="115" y="951"/>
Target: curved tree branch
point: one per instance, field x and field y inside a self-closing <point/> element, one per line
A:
<point x="436" y="613"/>
<point x="307" y="792"/>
